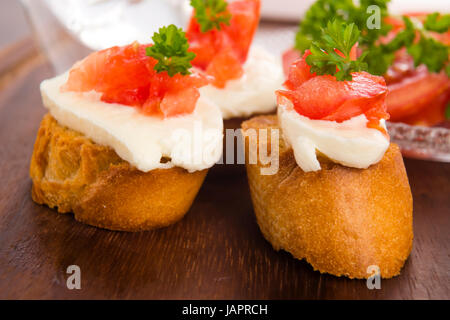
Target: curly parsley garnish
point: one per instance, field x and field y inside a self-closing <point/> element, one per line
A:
<point x="170" y="48"/>
<point x="325" y="60"/>
<point x="423" y="48"/>
<point x="437" y="22"/>
<point x="323" y="11"/>
<point x="211" y="14"/>
<point x="415" y="37"/>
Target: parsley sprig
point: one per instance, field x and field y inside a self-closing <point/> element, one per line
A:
<point x="170" y="48"/>
<point x="423" y="48"/>
<point x="323" y="11"/>
<point x="415" y="37"/>
<point x="437" y="22"/>
<point x="211" y="14"/>
<point x="325" y="60"/>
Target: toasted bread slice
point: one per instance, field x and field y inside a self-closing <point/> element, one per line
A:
<point x="74" y="174"/>
<point x="341" y="220"/>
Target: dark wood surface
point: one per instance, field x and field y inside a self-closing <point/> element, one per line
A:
<point x="215" y="252"/>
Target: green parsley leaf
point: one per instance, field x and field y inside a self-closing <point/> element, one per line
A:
<point x="324" y="59"/>
<point x="318" y="16"/>
<point x="437" y="22"/>
<point x="322" y="11"/>
<point x="211" y="14"/>
<point x="379" y="60"/>
<point x="403" y="39"/>
<point x="170" y="48"/>
<point x="429" y="52"/>
<point x="370" y="36"/>
<point x="380" y="56"/>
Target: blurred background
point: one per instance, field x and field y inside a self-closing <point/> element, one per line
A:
<point x="68" y="29"/>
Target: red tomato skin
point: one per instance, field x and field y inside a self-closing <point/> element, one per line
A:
<point x="325" y="98"/>
<point x="126" y="75"/>
<point x="288" y="57"/>
<point x="299" y="72"/>
<point x="223" y="67"/>
<point x="433" y="114"/>
<point x="415" y="93"/>
<point x="416" y="96"/>
<point x="229" y="45"/>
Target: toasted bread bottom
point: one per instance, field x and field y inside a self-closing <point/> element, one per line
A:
<point x="341" y="220"/>
<point x="74" y="174"/>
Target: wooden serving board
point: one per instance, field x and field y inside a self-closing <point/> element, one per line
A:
<point x="215" y="252"/>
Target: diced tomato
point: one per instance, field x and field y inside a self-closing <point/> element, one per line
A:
<point x="223" y="67"/>
<point x="325" y="98"/>
<point x="288" y="57"/>
<point x="126" y="75"/>
<point x="180" y="102"/>
<point x="221" y="53"/>
<point x="243" y="24"/>
<point x="105" y="71"/>
<point x="299" y="72"/>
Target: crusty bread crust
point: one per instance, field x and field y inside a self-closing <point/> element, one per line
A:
<point x="74" y="174"/>
<point x="341" y="220"/>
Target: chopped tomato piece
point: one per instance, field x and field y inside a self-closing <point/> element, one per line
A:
<point x="221" y="53"/>
<point x="126" y="75"/>
<point x="224" y="67"/>
<point x="325" y="98"/>
<point x="288" y="57"/>
<point x="179" y="102"/>
<point x="299" y="72"/>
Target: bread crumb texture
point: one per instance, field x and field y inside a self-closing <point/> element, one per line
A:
<point x="341" y="220"/>
<point x="73" y="174"/>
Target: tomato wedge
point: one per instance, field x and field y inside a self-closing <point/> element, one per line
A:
<point x="126" y="75"/>
<point x="417" y="92"/>
<point x="221" y="53"/>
